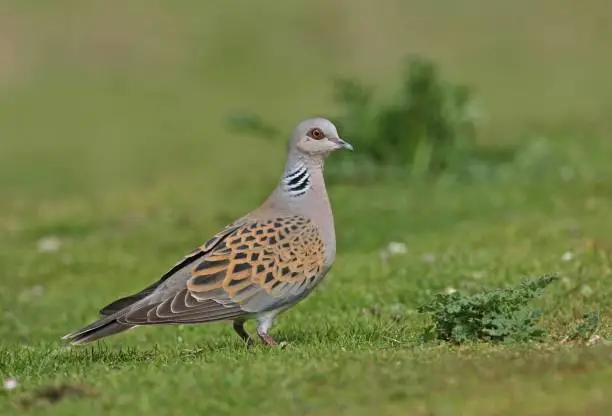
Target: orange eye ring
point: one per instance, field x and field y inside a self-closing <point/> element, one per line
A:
<point x="316" y="133"/>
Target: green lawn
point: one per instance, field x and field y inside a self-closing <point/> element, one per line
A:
<point x="113" y="147"/>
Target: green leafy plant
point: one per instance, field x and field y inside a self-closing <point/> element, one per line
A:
<point x="428" y="126"/>
<point x="420" y="127"/>
<point x="493" y="315"/>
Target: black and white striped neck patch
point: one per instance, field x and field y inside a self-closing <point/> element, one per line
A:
<point x="296" y="182"/>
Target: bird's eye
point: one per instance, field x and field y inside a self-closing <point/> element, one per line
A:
<point x="316" y="134"/>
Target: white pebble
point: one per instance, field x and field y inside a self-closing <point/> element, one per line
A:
<point x="392" y="249"/>
<point x="397" y="248"/>
<point x="586" y="290"/>
<point x="10" y="383"/>
<point x="595" y="339"/>
<point x="48" y="244"/>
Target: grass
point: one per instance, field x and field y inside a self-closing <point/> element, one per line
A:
<point x="113" y="144"/>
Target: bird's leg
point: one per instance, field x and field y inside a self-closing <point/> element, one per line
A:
<point x="268" y="340"/>
<point x="239" y="328"/>
<point x="263" y="326"/>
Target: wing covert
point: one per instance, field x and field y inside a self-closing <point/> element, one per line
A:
<point x="258" y="266"/>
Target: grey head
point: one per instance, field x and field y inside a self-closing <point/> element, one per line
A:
<point x="314" y="139"/>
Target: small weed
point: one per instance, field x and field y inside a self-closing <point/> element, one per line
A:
<point x="586" y="328"/>
<point x="494" y="315"/>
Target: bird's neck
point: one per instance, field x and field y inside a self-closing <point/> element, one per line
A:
<point x="303" y="177"/>
<point x="301" y="186"/>
<point x="297" y="180"/>
<point x="302" y="191"/>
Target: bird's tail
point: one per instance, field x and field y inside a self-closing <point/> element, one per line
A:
<point x="96" y="330"/>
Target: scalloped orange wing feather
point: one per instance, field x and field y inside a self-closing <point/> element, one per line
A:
<point x="259" y="266"/>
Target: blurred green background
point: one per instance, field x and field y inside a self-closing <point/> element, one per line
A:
<point x="116" y="159"/>
<point x="89" y="86"/>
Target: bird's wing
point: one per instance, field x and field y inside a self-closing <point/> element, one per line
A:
<point x="194" y="255"/>
<point x="259" y="266"/>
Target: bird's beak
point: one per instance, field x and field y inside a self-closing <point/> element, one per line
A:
<point x="341" y="143"/>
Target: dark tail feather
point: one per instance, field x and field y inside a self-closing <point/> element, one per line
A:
<point x="97" y="330"/>
<point x="122" y="303"/>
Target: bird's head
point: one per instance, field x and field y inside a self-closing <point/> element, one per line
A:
<point x="316" y="138"/>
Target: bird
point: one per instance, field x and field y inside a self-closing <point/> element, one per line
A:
<point x="256" y="267"/>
